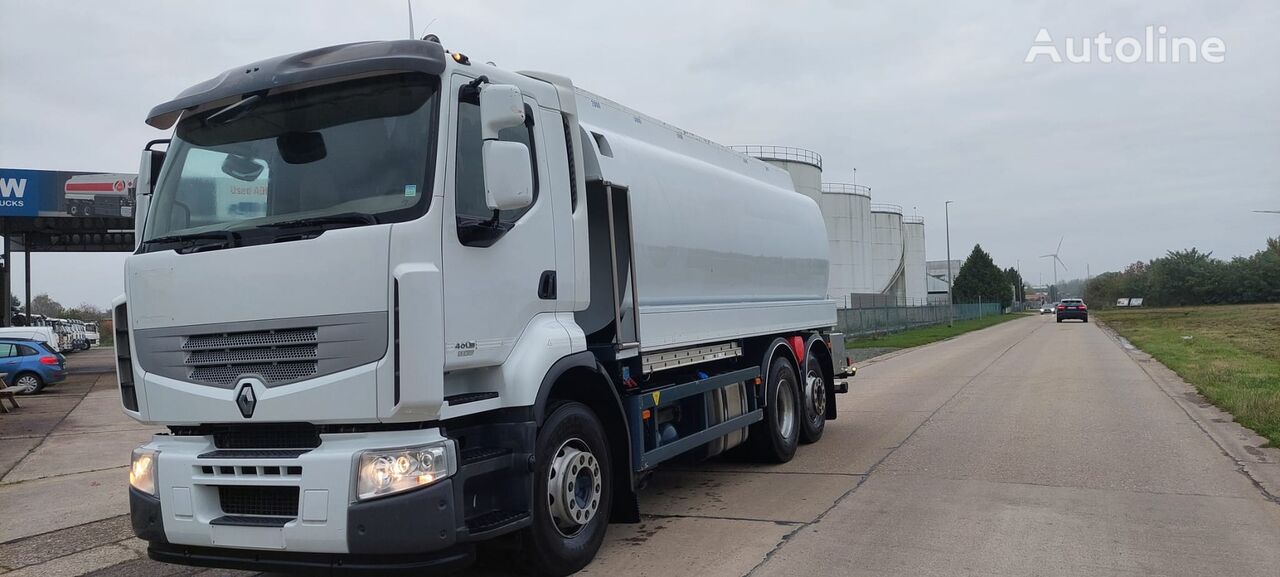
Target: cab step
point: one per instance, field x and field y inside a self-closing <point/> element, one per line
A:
<point x="494" y="520"/>
<point x="483" y="460"/>
<point x="478" y="454"/>
<point x="464" y="398"/>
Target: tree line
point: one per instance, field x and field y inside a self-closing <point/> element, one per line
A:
<point x="980" y="280"/>
<point x="43" y="304"/>
<point x="1190" y="277"/>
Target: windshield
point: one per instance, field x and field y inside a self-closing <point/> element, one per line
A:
<point x="344" y="154"/>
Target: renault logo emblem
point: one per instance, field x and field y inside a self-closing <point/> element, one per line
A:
<point x="246" y="400"/>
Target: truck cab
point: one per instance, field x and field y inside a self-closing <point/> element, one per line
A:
<point x="431" y="332"/>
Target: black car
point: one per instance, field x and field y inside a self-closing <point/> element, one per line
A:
<point x="1073" y="309"/>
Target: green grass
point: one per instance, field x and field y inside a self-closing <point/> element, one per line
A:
<point x="926" y="335"/>
<point x="1232" y="356"/>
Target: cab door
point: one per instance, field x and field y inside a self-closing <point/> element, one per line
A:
<point x="499" y="269"/>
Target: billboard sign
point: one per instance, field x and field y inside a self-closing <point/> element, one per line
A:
<point x="51" y="193"/>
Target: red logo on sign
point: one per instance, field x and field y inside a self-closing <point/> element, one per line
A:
<point x="119" y="185"/>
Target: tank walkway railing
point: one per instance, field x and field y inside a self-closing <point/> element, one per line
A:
<point x="845" y="188"/>
<point x="913" y="220"/>
<point x="886" y="207"/>
<point x="788" y="153"/>
<point x="876" y="320"/>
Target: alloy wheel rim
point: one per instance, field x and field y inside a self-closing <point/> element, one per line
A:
<point x="816" y="394"/>
<point x="28" y="384"/>
<point x="574" y="486"/>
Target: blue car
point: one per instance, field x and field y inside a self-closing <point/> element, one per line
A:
<point x="30" y="365"/>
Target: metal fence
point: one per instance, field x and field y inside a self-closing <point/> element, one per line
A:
<point x="854" y="322"/>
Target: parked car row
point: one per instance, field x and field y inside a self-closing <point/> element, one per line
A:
<point x="70" y="335"/>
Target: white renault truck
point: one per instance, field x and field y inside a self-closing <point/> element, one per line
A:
<point x="475" y="305"/>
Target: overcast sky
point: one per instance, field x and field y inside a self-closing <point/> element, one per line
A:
<point x="929" y="101"/>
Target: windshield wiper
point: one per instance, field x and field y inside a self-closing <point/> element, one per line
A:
<point x="348" y="218"/>
<point x="229" y="238"/>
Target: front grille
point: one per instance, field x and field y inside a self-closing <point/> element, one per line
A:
<point x="275" y="355"/>
<point x="271" y="373"/>
<point x="250" y="339"/>
<point x="255" y="500"/>
<point x="223" y="356"/>
<point x="266" y="436"/>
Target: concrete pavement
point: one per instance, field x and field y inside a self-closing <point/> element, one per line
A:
<point x="1027" y="448"/>
<point x="1046" y="450"/>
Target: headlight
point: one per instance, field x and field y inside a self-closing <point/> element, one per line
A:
<point x="393" y="470"/>
<point x="142" y="470"/>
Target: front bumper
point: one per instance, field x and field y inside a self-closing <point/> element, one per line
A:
<point x="186" y="522"/>
<point x="312" y="563"/>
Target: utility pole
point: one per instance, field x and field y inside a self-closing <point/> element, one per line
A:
<point x="412" y="33"/>
<point x="951" y="303"/>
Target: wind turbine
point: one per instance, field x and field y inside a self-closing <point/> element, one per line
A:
<point x="1056" y="261"/>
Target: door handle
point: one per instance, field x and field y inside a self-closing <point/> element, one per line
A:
<point x="547" y="285"/>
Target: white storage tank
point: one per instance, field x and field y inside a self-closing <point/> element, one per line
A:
<point x="864" y="274"/>
<point x="887" y="251"/>
<point x="804" y="166"/>
<point x="846" y="209"/>
<point x="914" y="273"/>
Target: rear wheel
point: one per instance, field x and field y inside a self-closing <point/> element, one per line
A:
<point x="813" y="398"/>
<point x="572" y="494"/>
<point x="774" y="439"/>
<point x="28" y="383"/>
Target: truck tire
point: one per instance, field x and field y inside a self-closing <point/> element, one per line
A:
<point x="74" y="208"/>
<point x="813" y="400"/>
<point x="573" y="491"/>
<point x="774" y="439"/>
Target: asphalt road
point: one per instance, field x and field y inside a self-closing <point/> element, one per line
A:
<point x="1028" y="448"/>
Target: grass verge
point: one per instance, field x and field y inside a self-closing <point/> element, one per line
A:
<point x="1230" y="353"/>
<point x="925" y="335"/>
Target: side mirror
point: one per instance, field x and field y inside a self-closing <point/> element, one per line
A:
<point x="501" y="106"/>
<point x="508" y="175"/>
<point x="149" y="170"/>
<point x="148" y="174"/>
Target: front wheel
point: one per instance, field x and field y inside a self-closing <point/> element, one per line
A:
<point x="573" y="491"/>
<point x="28" y="384"/>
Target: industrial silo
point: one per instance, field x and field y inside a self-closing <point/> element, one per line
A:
<point x="846" y="208"/>
<point x="914" y="274"/>
<point x="804" y="166"/>
<point x="887" y="252"/>
<point x="863" y="225"/>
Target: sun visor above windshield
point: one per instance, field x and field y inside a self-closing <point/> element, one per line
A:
<point x="310" y="67"/>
